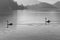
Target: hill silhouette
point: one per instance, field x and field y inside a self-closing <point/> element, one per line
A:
<point x="42" y="6"/>
<point x="57" y="4"/>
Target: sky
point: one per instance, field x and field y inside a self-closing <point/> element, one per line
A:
<point x="30" y="2"/>
<point x="49" y="1"/>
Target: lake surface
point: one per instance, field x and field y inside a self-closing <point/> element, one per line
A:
<point x="18" y="17"/>
<point x="35" y="31"/>
<point x="30" y="16"/>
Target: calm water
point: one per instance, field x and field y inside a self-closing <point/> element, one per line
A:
<point x="29" y="16"/>
<point x="27" y="32"/>
<point x="18" y="17"/>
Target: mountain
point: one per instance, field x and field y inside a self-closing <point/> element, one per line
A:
<point x="42" y="6"/>
<point x="57" y="4"/>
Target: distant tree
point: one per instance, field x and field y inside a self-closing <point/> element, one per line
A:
<point x="22" y="6"/>
<point x="13" y="5"/>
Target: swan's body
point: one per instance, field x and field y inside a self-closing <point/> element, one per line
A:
<point x="47" y="21"/>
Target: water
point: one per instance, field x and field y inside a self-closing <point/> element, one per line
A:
<point x="30" y="16"/>
<point x="18" y="17"/>
<point x="11" y="16"/>
<point x="36" y="31"/>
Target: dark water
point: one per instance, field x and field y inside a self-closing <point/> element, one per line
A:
<point x="34" y="32"/>
<point x="11" y="16"/>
